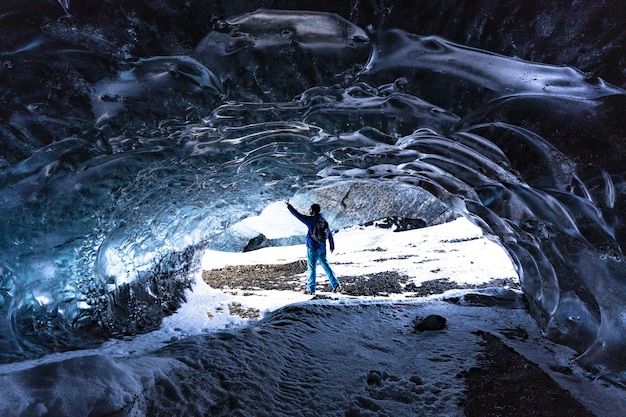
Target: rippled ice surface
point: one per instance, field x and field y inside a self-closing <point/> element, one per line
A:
<point x="118" y="172"/>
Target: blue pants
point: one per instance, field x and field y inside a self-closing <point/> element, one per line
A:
<point x="313" y="256"/>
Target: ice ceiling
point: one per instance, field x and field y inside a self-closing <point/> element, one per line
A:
<point x="133" y="133"/>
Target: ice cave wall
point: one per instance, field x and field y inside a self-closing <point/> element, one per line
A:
<point x="80" y="176"/>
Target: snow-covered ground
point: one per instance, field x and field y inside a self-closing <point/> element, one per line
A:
<point x="457" y="251"/>
<point x="334" y="355"/>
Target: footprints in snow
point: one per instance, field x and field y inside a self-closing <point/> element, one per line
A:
<point x="384" y="388"/>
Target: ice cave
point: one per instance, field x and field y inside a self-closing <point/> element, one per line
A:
<point x="135" y="134"/>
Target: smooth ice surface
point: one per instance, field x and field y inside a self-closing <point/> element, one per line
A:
<point x="136" y="135"/>
<point x="440" y="70"/>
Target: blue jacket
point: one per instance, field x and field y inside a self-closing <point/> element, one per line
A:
<point x="310" y="221"/>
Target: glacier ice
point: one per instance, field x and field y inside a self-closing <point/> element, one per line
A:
<point x="130" y="143"/>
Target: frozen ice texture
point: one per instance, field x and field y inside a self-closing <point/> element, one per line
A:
<point x="134" y="148"/>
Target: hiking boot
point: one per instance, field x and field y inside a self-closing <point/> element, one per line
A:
<point x="338" y="288"/>
<point x="307" y="292"/>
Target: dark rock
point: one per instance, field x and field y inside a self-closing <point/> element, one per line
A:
<point x="432" y="322"/>
<point x="261" y="241"/>
<point x="490" y="297"/>
<point x="398" y="224"/>
<point x="256" y="243"/>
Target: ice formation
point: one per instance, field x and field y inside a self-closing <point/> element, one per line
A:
<point x="135" y="133"/>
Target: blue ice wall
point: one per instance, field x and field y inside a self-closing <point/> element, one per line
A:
<point x="134" y="134"/>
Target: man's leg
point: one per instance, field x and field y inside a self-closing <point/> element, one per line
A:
<point x="311" y="263"/>
<point x="334" y="283"/>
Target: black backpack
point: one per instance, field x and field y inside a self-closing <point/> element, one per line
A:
<point x="319" y="233"/>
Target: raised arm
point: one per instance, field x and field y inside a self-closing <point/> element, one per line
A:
<point x="304" y="219"/>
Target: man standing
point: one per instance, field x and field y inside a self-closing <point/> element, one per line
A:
<point x="316" y="246"/>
